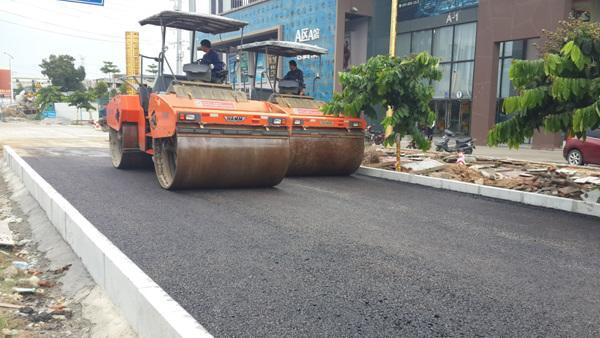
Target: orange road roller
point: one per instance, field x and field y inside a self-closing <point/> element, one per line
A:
<point x="320" y="145"/>
<point x="198" y="131"/>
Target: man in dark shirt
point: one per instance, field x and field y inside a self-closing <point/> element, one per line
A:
<point x="211" y="58"/>
<point x="296" y="75"/>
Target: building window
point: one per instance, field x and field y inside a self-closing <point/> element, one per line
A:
<point x="455" y="46"/>
<point x="421" y="42"/>
<point x="462" y="80"/>
<point x="509" y="51"/>
<point x="442" y="87"/>
<point x="220" y="6"/>
<point x="464" y="42"/>
<point x="403" y="45"/>
<point x="441" y="47"/>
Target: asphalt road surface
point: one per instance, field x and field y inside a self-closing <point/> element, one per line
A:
<point x="346" y="256"/>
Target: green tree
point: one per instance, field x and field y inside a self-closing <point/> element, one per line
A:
<point x="403" y="85"/>
<point x="152" y="69"/>
<point x="123" y="89"/>
<point x="47" y="96"/>
<point x="560" y="93"/>
<point x="81" y="99"/>
<point x="62" y="72"/>
<point x="100" y="91"/>
<point x="110" y="69"/>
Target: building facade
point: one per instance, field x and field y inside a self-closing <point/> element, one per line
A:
<point x="476" y="40"/>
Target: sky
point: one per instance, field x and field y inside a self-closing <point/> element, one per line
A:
<point x="31" y="30"/>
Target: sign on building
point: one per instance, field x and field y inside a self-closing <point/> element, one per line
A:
<point x="88" y="2"/>
<point x="5" y="80"/>
<point x="413" y="9"/>
<point x="307" y="34"/>
<point x="132" y="57"/>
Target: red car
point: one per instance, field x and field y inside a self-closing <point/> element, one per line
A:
<point x="578" y="152"/>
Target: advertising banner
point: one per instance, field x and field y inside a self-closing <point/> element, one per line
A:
<point x="414" y="9"/>
<point x="132" y="58"/>
<point x="5" y="82"/>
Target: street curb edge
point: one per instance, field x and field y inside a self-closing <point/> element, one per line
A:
<point x="528" y="198"/>
<point x="148" y="309"/>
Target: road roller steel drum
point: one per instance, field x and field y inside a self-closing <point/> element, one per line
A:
<point x="321" y="145"/>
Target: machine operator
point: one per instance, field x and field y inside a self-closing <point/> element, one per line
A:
<point x="211" y="58"/>
<point x="295" y="74"/>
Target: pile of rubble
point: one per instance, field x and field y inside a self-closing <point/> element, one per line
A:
<point x="32" y="302"/>
<point x="12" y="111"/>
<point x="550" y="179"/>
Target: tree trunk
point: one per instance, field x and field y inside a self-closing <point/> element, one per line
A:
<point x="398" y="153"/>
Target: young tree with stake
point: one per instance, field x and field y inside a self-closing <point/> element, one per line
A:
<point x="402" y="84"/>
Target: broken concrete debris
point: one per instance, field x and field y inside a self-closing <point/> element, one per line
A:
<point x="424" y="166"/>
<point x="550" y="179"/>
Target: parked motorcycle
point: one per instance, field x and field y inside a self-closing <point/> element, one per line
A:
<point x="461" y="144"/>
<point x="374" y="136"/>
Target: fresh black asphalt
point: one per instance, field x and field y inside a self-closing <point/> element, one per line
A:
<point x="346" y="256"/>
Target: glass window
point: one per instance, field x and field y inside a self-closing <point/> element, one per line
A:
<point x="462" y="80"/>
<point x="442" y="88"/>
<point x="464" y="42"/>
<point x="421" y="42"/>
<point x="441" y="46"/>
<point x="505" y="85"/>
<point x="508" y="48"/>
<point x="594" y="133"/>
<point x="403" y="45"/>
<point x="518" y="49"/>
<point x="499" y="83"/>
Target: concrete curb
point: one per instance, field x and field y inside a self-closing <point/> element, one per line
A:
<point x="539" y="200"/>
<point x="150" y="311"/>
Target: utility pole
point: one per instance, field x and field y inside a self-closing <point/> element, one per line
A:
<point x="192" y="34"/>
<point x="393" y="24"/>
<point x="10" y="58"/>
<point x="178" y="56"/>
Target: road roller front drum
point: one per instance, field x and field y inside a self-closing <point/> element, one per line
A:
<point x="325" y="155"/>
<point x="199" y="161"/>
<point x="124" y="150"/>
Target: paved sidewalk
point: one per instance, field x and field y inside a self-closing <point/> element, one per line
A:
<point x="503" y="152"/>
<point x="523" y="153"/>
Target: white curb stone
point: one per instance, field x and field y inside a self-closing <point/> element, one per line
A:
<point x="551" y="202"/>
<point x="150" y="311"/>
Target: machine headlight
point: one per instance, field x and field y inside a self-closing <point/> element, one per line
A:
<point x="188" y="117"/>
<point x="276" y="121"/>
<point x="355" y="124"/>
<point x="298" y="122"/>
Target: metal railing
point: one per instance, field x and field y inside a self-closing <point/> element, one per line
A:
<point x="236" y="4"/>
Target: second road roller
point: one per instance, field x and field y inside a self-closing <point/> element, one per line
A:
<point x="319" y="144"/>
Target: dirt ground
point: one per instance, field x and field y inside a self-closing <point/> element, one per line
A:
<point x="44" y="289"/>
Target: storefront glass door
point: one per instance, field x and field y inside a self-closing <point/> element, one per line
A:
<point x="454" y="115"/>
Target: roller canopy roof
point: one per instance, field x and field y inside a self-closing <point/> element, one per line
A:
<point x="205" y="23"/>
<point x="283" y="48"/>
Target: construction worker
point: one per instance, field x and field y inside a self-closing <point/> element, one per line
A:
<point x="295" y="74"/>
<point x="211" y="58"/>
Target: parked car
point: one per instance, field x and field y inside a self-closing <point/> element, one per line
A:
<point x="579" y="152"/>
